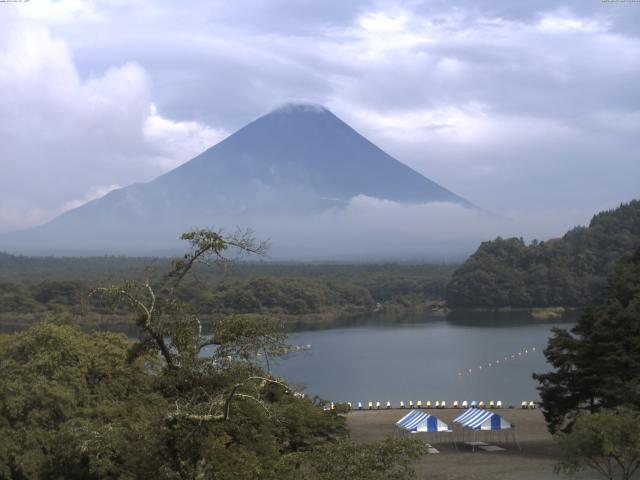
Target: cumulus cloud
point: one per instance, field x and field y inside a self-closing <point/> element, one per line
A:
<point x="62" y="11"/>
<point x="528" y="109"/>
<point x="63" y="137"/>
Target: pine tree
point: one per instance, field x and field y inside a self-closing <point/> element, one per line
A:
<point x="596" y="364"/>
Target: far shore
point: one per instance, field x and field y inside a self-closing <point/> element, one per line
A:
<point x="291" y="322"/>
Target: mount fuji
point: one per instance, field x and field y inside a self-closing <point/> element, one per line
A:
<point x="293" y="163"/>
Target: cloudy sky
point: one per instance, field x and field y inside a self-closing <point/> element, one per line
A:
<point x="528" y="109"/>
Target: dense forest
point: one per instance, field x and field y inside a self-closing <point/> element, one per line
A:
<point x="570" y="271"/>
<point x="75" y="405"/>
<point x="591" y="396"/>
<point x="597" y="363"/>
<point x="33" y="286"/>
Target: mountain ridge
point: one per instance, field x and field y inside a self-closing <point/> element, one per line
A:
<point x="295" y="161"/>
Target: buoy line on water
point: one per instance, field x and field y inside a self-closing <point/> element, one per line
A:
<point x="499" y="361"/>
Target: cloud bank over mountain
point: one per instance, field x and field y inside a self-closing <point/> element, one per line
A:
<point x="529" y="109"/>
<point x="299" y="177"/>
<point x="375" y="229"/>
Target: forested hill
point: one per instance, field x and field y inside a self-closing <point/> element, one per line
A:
<point x="570" y="271"/>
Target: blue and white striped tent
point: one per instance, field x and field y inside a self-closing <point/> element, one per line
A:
<point x="476" y="419"/>
<point x="416" y="421"/>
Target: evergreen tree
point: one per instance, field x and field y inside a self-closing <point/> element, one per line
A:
<point x="597" y="364"/>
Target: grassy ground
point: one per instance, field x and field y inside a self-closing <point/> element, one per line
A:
<point x="534" y="462"/>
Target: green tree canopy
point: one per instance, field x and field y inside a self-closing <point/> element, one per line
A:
<point x="597" y="364"/>
<point x="607" y="442"/>
<point x="100" y="406"/>
<point x="570" y="271"/>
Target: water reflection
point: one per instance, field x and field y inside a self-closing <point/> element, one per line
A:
<point x="458" y="317"/>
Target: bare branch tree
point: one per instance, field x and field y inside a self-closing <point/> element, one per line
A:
<point x="240" y="340"/>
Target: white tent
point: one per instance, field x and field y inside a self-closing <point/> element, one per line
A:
<point x="482" y="420"/>
<point x="479" y="420"/>
<point x="416" y="421"/>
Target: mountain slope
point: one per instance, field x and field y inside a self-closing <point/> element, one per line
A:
<point x="294" y="162"/>
<point x="308" y="148"/>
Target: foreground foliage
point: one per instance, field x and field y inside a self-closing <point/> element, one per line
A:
<point x="597" y="364"/>
<point x="570" y="271"/>
<point x="75" y="405"/>
<point x="607" y="442"/>
<point x="386" y="460"/>
<point x="94" y="406"/>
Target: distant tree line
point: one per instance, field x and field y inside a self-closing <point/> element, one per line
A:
<point x="42" y="286"/>
<point x="279" y="295"/>
<point x="570" y="271"/>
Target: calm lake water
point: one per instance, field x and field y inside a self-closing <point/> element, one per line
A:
<point x="408" y="357"/>
<point x="424" y="358"/>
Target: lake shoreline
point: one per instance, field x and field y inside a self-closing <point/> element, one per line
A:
<point x="289" y="322"/>
<point x="336" y="318"/>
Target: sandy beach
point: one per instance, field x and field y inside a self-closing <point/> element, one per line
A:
<point x="535" y="461"/>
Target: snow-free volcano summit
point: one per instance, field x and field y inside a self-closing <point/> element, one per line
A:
<point x="294" y="163"/>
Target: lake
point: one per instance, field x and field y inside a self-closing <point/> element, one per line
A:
<point x="419" y="357"/>
<point x="424" y="358"/>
